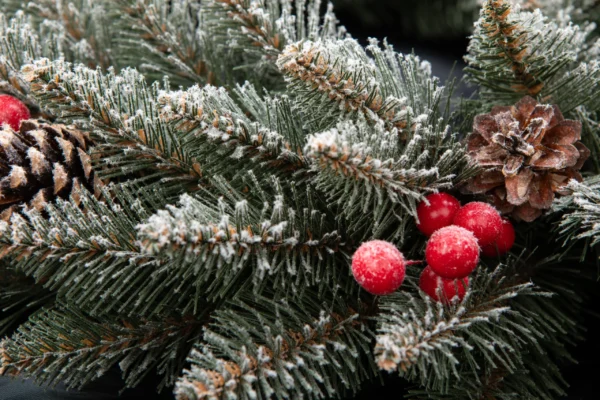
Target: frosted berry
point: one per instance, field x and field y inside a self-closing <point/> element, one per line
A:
<point x="481" y="219"/>
<point x="12" y="111"/>
<point x="430" y="282"/>
<point x="378" y="267"/>
<point x="503" y="243"/>
<point x="438" y="214"/>
<point x="452" y="252"/>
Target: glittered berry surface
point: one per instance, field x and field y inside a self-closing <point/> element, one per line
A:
<point x="482" y="219"/>
<point x="503" y="243"/>
<point x="378" y="267"/>
<point x="452" y="252"/>
<point x="438" y="213"/>
<point x="12" y="111"/>
<point x="429" y="282"/>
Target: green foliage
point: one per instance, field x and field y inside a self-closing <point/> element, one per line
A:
<point x="260" y="347"/>
<point x="375" y="181"/>
<point x="581" y="214"/>
<point x="514" y="53"/>
<point x="62" y="344"/>
<point x="227" y="216"/>
<point x="249" y="35"/>
<point x="19" y="296"/>
<point x="78" y="30"/>
<point x="467" y="349"/>
<point x="162" y="38"/>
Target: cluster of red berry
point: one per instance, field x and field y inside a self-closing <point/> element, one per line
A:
<point x="457" y="237"/>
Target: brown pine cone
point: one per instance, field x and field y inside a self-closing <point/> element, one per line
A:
<point x="529" y="152"/>
<point x="40" y="163"/>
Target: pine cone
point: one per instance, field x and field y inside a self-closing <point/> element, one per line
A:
<point x="529" y="153"/>
<point x="40" y="163"/>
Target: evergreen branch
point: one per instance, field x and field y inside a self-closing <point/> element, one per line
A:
<point x="78" y="31"/>
<point x="514" y="53"/>
<point x="557" y="323"/>
<point x="132" y="139"/>
<point x="19" y="297"/>
<point x="275" y="113"/>
<point x="422" y="342"/>
<point x="406" y="76"/>
<point x="292" y="246"/>
<point x="262" y="348"/>
<point x="170" y="39"/>
<point x="155" y="135"/>
<point x="65" y="345"/>
<point x="228" y="128"/>
<point x="88" y="254"/>
<point x="511" y="41"/>
<point x="19" y="46"/>
<point x="319" y="71"/>
<point x="375" y="181"/>
<point x="581" y="213"/>
<point x="252" y="33"/>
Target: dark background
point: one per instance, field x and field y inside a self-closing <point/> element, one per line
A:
<point x="443" y="51"/>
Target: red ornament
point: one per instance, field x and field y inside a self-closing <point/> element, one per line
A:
<point x="504" y="241"/>
<point x="430" y="282"/>
<point x="438" y="214"/>
<point x="378" y="267"/>
<point x="12" y="111"/>
<point x="481" y="219"/>
<point x="452" y="252"/>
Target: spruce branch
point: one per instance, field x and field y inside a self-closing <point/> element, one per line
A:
<point x="132" y="140"/>
<point x="581" y="213"/>
<point x="556" y="323"/>
<point x="319" y="71"/>
<point x="375" y="181"/>
<point x="19" y="297"/>
<point x="78" y="30"/>
<point x="19" y="46"/>
<point x="432" y="344"/>
<point x="158" y="136"/>
<point x="62" y="344"/>
<point x="511" y="41"/>
<point x="170" y="36"/>
<point x="86" y="251"/>
<point x="513" y="53"/>
<point x="227" y="126"/>
<point x="252" y="33"/>
<point x="295" y="248"/>
<point x="261" y="348"/>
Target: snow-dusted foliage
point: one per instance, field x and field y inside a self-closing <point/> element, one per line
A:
<point x="245" y="149"/>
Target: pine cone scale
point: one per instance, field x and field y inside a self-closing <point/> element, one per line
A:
<point x="41" y="162"/>
<point x="529" y="152"/>
<point x="541" y="194"/>
<point x="518" y="186"/>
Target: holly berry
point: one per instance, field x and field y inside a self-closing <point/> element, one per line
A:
<point x="12" y="111"/>
<point x="438" y="213"/>
<point x="452" y="252"/>
<point x="430" y="282"/>
<point x="378" y="267"/>
<point x="481" y="219"/>
<point x="504" y="241"/>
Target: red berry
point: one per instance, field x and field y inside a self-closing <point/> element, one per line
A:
<point x="378" y="267"/>
<point x="430" y="282"/>
<point x="503" y="242"/>
<point x="438" y="214"/>
<point x="481" y="219"/>
<point x="452" y="252"/>
<point x="12" y="111"/>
